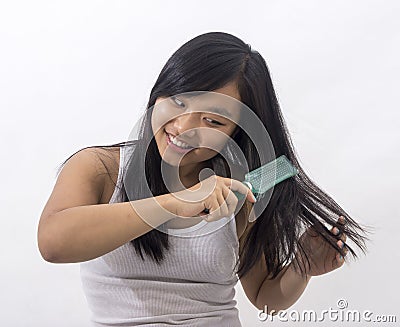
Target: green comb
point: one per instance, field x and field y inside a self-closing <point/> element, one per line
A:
<point x="260" y="180"/>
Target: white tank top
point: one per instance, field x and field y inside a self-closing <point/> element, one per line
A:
<point x="193" y="286"/>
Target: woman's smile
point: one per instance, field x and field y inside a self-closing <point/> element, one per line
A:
<point x="177" y="146"/>
<point x="186" y="135"/>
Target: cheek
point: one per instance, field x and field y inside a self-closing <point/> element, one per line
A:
<point x="214" y="140"/>
<point x="162" y="113"/>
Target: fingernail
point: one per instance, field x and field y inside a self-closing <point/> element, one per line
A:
<point x="341" y="258"/>
<point x="336" y="231"/>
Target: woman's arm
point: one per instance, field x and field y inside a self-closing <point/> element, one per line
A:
<point x="74" y="226"/>
<point x="281" y="292"/>
<point x="285" y="290"/>
<point x="86" y="232"/>
<point x="270" y="294"/>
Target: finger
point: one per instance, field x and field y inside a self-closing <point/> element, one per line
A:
<point x="238" y="186"/>
<point x="206" y="212"/>
<point x="339" y="232"/>
<point x="341" y="220"/>
<point x="335" y="231"/>
<point x="339" y="260"/>
<point x="214" y="210"/>
<point x="223" y="208"/>
<point x="250" y="196"/>
<point x="230" y="199"/>
<point x="224" y="205"/>
<point x="342" y="245"/>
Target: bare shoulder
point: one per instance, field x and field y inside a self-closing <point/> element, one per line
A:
<point x="80" y="182"/>
<point x="108" y="161"/>
<point x="105" y="160"/>
<point x="108" y="158"/>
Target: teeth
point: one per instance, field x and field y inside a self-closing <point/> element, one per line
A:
<point x="178" y="143"/>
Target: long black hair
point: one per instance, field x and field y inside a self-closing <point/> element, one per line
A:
<point x="208" y="62"/>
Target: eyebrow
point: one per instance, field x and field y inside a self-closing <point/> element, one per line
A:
<point x="220" y="110"/>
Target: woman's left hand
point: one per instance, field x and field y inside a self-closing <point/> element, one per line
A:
<point x="323" y="257"/>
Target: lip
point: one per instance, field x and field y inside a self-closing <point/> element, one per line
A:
<point x="174" y="147"/>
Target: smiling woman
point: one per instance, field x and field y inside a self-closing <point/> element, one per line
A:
<point x="195" y="124"/>
<point x="107" y="215"/>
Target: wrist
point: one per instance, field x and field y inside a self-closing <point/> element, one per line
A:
<point x="168" y="202"/>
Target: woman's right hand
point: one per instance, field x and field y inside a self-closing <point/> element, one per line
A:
<point x="215" y="194"/>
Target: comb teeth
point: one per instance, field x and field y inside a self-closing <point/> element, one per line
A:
<point x="270" y="174"/>
<point x="260" y="180"/>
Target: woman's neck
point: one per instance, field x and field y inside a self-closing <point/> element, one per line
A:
<point x="188" y="175"/>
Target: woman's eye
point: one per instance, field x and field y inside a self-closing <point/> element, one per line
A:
<point x="178" y="102"/>
<point x="214" y="122"/>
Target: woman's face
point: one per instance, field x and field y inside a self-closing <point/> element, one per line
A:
<point x="194" y="120"/>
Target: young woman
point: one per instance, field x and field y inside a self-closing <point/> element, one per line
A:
<point x="109" y="217"/>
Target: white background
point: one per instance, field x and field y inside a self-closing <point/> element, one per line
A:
<point x="79" y="73"/>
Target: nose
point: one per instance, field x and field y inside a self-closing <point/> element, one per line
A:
<point x="186" y="123"/>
